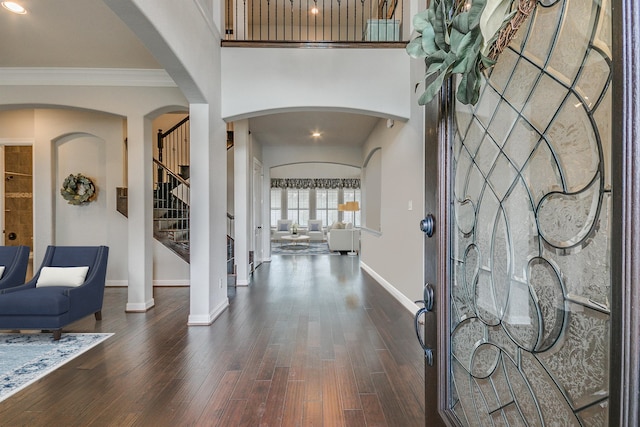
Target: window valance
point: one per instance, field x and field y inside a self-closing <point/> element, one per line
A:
<point x="315" y="182"/>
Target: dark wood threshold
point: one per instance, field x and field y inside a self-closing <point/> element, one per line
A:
<point x="314" y="45"/>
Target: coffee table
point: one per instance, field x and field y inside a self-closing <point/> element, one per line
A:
<point x="295" y="239"/>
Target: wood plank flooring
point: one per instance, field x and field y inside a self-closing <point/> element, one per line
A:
<point x="313" y="341"/>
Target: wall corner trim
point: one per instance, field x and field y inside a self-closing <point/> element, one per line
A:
<point x="140" y="307"/>
<point x="206" y="320"/>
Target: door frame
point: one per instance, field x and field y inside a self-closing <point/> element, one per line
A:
<point x="625" y="248"/>
<point x="625" y="239"/>
<point x="257" y="220"/>
<point x="5" y="142"/>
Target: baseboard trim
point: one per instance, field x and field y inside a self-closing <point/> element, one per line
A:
<point x="402" y="299"/>
<point x="139" y="307"/>
<point x="172" y="283"/>
<point x="117" y="283"/>
<point x="206" y="320"/>
<point x="156" y="283"/>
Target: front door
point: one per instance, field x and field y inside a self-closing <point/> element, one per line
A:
<point x="523" y="287"/>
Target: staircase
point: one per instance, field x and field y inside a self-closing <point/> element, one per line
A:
<point x="171" y="195"/>
<point x="171" y="189"/>
<point x="171" y="210"/>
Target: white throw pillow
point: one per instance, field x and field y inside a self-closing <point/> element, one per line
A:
<point x="62" y="276"/>
<point x="1" y="270"/>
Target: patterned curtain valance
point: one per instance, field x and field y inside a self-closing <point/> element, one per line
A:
<point x="315" y="182"/>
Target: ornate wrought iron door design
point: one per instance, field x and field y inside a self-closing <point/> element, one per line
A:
<point x="530" y="228"/>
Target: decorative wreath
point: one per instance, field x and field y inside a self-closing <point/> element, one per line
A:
<point x="464" y="37"/>
<point x="78" y="189"/>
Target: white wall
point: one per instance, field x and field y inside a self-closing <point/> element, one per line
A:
<point x="394" y="254"/>
<point x="68" y="141"/>
<point x="85" y="154"/>
<point x="370" y="81"/>
<point x="90" y="143"/>
<point x="168" y="268"/>
<point x="315" y="170"/>
<point x="282" y="155"/>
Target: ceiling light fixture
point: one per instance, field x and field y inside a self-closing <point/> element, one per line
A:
<point x="314" y="10"/>
<point x="14" y="7"/>
<point x="315" y="134"/>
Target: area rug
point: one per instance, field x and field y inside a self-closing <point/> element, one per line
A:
<point x="313" y="248"/>
<point x="25" y="358"/>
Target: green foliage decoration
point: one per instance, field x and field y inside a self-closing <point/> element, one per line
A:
<point x="78" y="189"/>
<point x="457" y="37"/>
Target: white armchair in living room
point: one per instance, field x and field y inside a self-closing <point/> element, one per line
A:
<point x="315" y="230"/>
<point x="283" y="228"/>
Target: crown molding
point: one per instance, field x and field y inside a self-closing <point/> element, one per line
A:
<point x="15" y="76"/>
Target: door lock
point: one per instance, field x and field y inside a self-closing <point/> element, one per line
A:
<point x="428" y="225"/>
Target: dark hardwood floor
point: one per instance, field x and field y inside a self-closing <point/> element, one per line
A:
<point x="314" y="341"/>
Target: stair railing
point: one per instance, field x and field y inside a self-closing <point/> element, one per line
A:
<point x="173" y="150"/>
<point x="171" y="210"/>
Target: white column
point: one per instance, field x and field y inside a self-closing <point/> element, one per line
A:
<point x="242" y="173"/>
<point x="140" y="214"/>
<point x="208" y="201"/>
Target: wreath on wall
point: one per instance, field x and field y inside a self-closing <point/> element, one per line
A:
<point x="464" y="37"/>
<point x="78" y="189"/>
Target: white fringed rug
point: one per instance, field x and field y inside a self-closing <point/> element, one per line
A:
<point x="25" y="358"/>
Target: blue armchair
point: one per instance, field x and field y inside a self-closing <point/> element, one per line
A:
<point x="15" y="260"/>
<point x="52" y="307"/>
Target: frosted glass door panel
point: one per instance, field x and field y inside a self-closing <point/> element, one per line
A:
<point x="530" y="228"/>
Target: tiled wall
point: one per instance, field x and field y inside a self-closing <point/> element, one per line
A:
<point x="18" y="196"/>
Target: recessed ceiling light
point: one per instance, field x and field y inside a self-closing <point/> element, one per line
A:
<point x="315" y="134"/>
<point x="14" y="7"/>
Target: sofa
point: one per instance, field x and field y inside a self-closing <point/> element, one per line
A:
<point x="68" y="286"/>
<point x="14" y="261"/>
<point x="343" y="237"/>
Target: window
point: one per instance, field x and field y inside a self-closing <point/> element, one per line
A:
<point x="276" y="206"/>
<point x="352" y="195"/>
<point x="298" y="205"/>
<point x="327" y="206"/>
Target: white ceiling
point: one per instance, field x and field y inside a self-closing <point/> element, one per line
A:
<point x="335" y="128"/>
<point x="69" y="33"/>
<point x="87" y="34"/>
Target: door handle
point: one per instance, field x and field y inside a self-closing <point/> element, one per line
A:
<point x="428" y="352"/>
<point x="427" y="297"/>
<point x="427" y="301"/>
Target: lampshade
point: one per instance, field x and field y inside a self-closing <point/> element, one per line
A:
<point x="352" y="206"/>
<point x="342" y="207"/>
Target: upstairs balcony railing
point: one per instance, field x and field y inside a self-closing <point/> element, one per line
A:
<point x="314" y="20"/>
